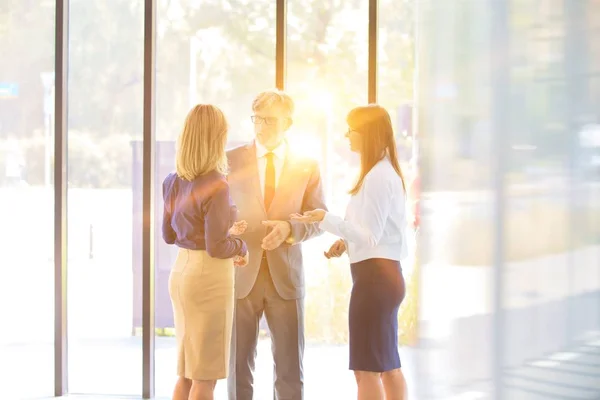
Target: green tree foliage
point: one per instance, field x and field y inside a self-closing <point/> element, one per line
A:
<point x="235" y="59"/>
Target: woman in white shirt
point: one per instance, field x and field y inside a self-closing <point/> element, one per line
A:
<point x="373" y="234"/>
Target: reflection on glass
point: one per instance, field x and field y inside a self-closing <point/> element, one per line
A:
<point x="395" y="69"/>
<point x="456" y="238"/>
<point x="549" y="261"/>
<point x="206" y="53"/>
<point x="551" y="249"/>
<point x="105" y="121"/>
<point x="26" y="200"/>
<point x="396" y="46"/>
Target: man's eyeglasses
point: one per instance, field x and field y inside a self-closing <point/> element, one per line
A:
<point x="267" y="120"/>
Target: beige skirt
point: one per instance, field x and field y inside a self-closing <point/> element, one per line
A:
<point x="202" y="293"/>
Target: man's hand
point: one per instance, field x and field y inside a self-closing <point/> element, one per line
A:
<point x="280" y="230"/>
<point x="239" y="261"/>
<point x="238" y="228"/>
<point x="336" y="249"/>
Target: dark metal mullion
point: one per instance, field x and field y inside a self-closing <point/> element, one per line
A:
<point x="280" y="43"/>
<point x="61" y="55"/>
<point x="148" y="383"/>
<point x="372" y="66"/>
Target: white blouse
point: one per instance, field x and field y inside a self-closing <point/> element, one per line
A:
<point x="375" y="222"/>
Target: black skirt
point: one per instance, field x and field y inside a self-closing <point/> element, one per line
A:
<point x="377" y="291"/>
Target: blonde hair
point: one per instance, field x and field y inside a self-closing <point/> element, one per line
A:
<point x="201" y="144"/>
<point x="273" y="97"/>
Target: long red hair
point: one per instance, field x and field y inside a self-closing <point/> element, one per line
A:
<point x="374" y="125"/>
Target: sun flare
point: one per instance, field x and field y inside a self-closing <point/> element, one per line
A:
<point x="305" y="145"/>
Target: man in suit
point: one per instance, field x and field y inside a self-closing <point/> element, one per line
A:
<point x="268" y="183"/>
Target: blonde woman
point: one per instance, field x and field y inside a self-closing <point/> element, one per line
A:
<point x="199" y="218"/>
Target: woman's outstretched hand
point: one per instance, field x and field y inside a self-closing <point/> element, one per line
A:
<point x="309" y="216"/>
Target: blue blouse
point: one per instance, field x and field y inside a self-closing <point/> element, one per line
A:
<point x="198" y="215"/>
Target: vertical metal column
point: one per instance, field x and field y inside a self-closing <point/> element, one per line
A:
<point x="373" y="28"/>
<point x="280" y="43"/>
<point x="60" y="197"/>
<point x="500" y="79"/>
<point x="148" y="384"/>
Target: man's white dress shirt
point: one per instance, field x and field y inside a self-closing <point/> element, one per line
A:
<point x="279" y="159"/>
<point x="375" y="222"/>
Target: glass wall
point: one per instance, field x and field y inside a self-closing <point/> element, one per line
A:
<point x="207" y="52"/>
<point x="327" y="58"/>
<point x="395" y="69"/>
<point x="511" y="278"/>
<point x="500" y="148"/>
<point x="552" y="249"/>
<point x="26" y="199"/>
<point x="396" y="56"/>
<point x="105" y="95"/>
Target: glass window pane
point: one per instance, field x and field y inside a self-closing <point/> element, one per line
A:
<point x="327" y="58"/>
<point x="327" y="64"/>
<point x="208" y="52"/>
<point x="26" y="199"/>
<point x="549" y="263"/>
<point x="395" y="69"/>
<point x="456" y="235"/>
<point x="551" y="251"/>
<point x="105" y="123"/>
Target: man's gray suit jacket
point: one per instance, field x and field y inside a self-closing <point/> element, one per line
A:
<point x="299" y="189"/>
